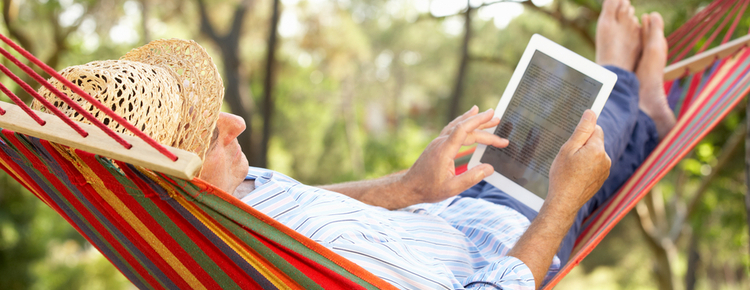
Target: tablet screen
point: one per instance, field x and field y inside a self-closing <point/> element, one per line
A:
<point x="543" y="113"/>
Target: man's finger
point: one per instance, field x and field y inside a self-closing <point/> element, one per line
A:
<point x="597" y="138"/>
<point x="492" y="123"/>
<point x="449" y="128"/>
<point x="486" y="138"/>
<point x="458" y="136"/>
<point x="464" y="181"/>
<point x="584" y="129"/>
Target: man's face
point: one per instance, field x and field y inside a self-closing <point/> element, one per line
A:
<point x="225" y="166"/>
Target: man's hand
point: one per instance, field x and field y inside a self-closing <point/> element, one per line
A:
<point x="577" y="173"/>
<point x="581" y="166"/>
<point x="433" y="178"/>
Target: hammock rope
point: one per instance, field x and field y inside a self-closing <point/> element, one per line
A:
<point x="117" y="118"/>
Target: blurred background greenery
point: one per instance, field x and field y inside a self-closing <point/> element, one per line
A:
<point x="356" y="89"/>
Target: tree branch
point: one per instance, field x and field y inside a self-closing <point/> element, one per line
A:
<point x="648" y="227"/>
<point x="22" y="39"/>
<point x="238" y="19"/>
<point x="206" y="26"/>
<point x="60" y="35"/>
<point x="458" y="87"/>
<point x="235" y="90"/>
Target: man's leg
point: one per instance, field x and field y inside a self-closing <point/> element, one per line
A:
<point x="632" y="125"/>
<point x="655" y="120"/>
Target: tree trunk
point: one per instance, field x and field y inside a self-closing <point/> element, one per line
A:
<point x="663" y="248"/>
<point x="144" y="22"/>
<point x="693" y="262"/>
<point x="455" y="101"/>
<point x="268" y="106"/>
<point x="235" y="94"/>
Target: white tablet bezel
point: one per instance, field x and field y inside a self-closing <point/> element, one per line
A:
<point x="567" y="57"/>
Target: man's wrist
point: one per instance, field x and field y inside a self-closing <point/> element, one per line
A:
<point x="559" y="208"/>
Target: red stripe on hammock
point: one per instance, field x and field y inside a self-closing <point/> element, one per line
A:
<point x="77" y="206"/>
<point x="223" y="261"/>
<point x="213" y="253"/>
<point x="349" y="266"/>
<point x="153" y="224"/>
<point x="321" y="275"/>
<point x="20" y="175"/>
<point x="461" y="169"/>
<point x="686" y="103"/>
<point x="133" y="235"/>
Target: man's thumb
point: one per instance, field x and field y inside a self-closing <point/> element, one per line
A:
<point x="584" y="129"/>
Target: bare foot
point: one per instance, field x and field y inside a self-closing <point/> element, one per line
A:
<point x="618" y="35"/>
<point x="650" y="73"/>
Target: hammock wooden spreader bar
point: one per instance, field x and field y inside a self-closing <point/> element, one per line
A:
<point x="97" y="138"/>
<point x="120" y="120"/>
<point x="187" y="165"/>
<point x="699" y="62"/>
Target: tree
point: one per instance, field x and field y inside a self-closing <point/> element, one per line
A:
<point x="238" y="98"/>
<point x="268" y="83"/>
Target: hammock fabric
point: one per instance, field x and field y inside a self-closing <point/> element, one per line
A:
<point x="165" y="232"/>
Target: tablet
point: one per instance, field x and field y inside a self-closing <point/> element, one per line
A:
<point x="539" y="110"/>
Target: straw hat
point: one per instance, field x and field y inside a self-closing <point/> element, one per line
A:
<point x="170" y="89"/>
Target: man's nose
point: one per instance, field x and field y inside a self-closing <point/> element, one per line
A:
<point x="230" y="125"/>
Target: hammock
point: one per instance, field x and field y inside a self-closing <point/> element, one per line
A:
<point x="163" y="228"/>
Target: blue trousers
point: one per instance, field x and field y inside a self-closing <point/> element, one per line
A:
<point x="629" y="137"/>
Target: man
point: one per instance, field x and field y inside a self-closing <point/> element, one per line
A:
<point x="430" y="239"/>
<point x="428" y="228"/>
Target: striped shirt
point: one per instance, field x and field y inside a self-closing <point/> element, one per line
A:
<point x="459" y="243"/>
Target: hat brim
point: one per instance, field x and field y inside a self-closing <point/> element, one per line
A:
<point x="201" y="87"/>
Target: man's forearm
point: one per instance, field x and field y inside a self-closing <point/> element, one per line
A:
<point x="386" y="191"/>
<point x="539" y="244"/>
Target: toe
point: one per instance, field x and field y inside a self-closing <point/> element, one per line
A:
<point x="624" y="10"/>
<point x="645" y="26"/>
<point x="609" y="8"/>
<point x="657" y="22"/>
